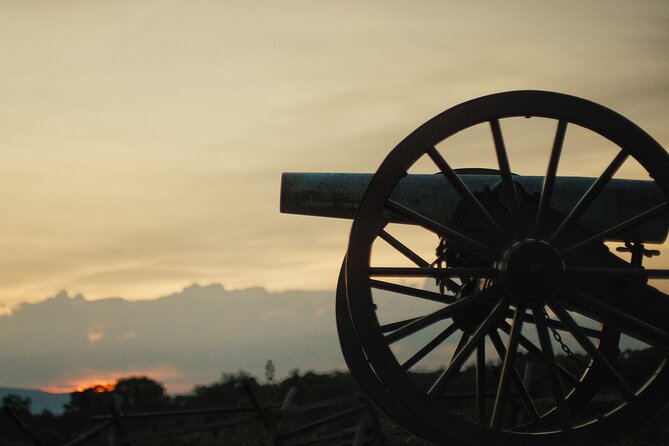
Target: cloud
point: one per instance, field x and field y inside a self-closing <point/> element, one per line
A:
<point x="95" y="336"/>
<point x="192" y="337"/>
<point x="186" y="338"/>
<point x="181" y="339"/>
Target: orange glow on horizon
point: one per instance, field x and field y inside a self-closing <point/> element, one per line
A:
<point x="104" y="381"/>
<point x="98" y="388"/>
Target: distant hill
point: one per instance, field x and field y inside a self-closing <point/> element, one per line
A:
<point x="41" y="401"/>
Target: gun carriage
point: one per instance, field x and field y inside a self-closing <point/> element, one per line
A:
<point x="525" y="273"/>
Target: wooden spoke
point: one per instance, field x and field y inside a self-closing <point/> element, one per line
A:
<point x="625" y="319"/>
<point x="460" y="187"/>
<point x="480" y="381"/>
<point x="464" y="337"/>
<point x="410" y="291"/>
<point x="415" y="258"/>
<point x="594" y="353"/>
<point x="592" y="193"/>
<point x="551" y="172"/>
<point x="509" y="370"/>
<point x="436" y="316"/>
<point x="403" y="249"/>
<point x="505" y="171"/>
<point x="518" y="381"/>
<point x="464" y="242"/>
<point x="618" y="272"/>
<point x="386" y="328"/>
<point x="551" y="365"/>
<point x="430" y="346"/>
<point x="552" y="323"/>
<point x="431" y="272"/>
<point x="489" y="323"/>
<point x="619" y="229"/>
<point x="536" y="352"/>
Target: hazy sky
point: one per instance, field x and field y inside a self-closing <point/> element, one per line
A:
<point x="142" y="142"/>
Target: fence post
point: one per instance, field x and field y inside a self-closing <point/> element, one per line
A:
<point x="262" y="413"/>
<point x="368" y="423"/>
<point x="34" y="439"/>
<point x="285" y="405"/>
<point x="528" y="373"/>
<point x="118" y="435"/>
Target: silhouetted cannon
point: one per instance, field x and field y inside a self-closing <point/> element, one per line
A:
<point x="337" y="195"/>
<point x="476" y="306"/>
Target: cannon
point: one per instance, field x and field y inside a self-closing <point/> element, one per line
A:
<point x="497" y="306"/>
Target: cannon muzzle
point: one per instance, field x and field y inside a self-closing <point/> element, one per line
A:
<point x="337" y="195"/>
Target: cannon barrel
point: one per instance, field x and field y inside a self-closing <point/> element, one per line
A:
<point x="337" y="195"/>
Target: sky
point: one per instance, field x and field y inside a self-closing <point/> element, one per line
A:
<point x="142" y="142"/>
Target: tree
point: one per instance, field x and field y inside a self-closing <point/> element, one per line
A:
<point x="139" y="393"/>
<point x="224" y="392"/>
<point x="270" y="371"/>
<point x="94" y="400"/>
<point x="128" y="394"/>
<point x="17" y="403"/>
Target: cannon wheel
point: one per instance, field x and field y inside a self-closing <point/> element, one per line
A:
<point x="376" y="391"/>
<point x="508" y="296"/>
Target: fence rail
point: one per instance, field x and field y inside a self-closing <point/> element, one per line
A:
<point x="273" y="419"/>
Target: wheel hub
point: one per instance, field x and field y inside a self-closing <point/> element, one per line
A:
<point x="531" y="271"/>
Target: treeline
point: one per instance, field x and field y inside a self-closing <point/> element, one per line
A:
<point x="141" y="395"/>
<point x="133" y="395"/>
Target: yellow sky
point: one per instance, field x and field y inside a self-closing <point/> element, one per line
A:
<point x="141" y="142"/>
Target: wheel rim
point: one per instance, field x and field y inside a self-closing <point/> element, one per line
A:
<point x="357" y="363"/>
<point x="567" y="111"/>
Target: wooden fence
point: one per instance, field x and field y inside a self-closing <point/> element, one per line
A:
<point x="351" y="419"/>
